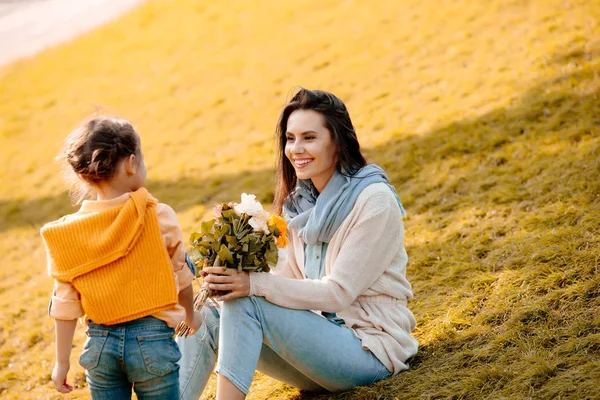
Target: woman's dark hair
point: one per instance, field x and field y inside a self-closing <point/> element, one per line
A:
<point x="94" y="150"/>
<point x="337" y="121"/>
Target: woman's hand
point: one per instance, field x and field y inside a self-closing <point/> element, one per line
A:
<point x="230" y="283"/>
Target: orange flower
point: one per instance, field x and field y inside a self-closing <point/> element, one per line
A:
<point x="281" y="239"/>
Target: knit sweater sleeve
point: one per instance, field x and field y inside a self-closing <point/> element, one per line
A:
<point x="367" y="250"/>
<point x="65" y="303"/>
<point x="173" y="238"/>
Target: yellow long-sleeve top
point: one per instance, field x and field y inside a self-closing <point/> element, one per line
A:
<point x="82" y="258"/>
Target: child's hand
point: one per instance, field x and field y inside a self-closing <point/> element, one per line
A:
<point x="194" y="322"/>
<point x="59" y="377"/>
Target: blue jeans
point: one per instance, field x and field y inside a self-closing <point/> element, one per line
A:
<point x="297" y="347"/>
<point x="141" y="354"/>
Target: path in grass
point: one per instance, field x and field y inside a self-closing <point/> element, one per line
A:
<point x="29" y="26"/>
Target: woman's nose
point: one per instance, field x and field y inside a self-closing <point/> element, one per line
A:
<point x="297" y="147"/>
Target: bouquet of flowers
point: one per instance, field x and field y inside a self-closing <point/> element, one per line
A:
<point x="242" y="236"/>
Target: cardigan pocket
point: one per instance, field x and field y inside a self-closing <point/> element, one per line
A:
<point x="92" y="349"/>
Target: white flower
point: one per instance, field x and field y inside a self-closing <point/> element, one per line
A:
<point x="258" y="225"/>
<point x="252" y="207"/>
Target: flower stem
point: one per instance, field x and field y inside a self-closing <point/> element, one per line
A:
<point x="201" y="298"/>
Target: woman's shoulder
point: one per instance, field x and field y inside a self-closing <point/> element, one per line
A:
<point x="377" y="192"/>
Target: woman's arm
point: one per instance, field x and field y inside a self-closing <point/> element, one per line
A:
<point x="367" y="251"/>
<point x="238" y="284"/>
<point x="365" y="254"/>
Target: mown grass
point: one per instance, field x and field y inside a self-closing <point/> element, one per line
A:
<point x="485" y="114"/>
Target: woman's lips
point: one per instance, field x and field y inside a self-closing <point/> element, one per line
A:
<point x="302" y="163"/>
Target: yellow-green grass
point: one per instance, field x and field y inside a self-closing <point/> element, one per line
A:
<point x="486" y="116"/>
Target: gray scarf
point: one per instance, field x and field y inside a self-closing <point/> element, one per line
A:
<point x="317" y="216"/>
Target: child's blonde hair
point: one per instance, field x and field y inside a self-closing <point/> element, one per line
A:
<point x="93" y="152"/>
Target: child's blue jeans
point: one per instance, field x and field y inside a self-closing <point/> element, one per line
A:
<point x="297" y="347"/>
<point x="141" y="354"/>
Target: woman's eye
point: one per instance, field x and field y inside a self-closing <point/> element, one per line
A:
<point x="289" y="139"/>
<point x="309" y="138"/>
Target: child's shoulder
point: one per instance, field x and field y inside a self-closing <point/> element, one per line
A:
<point x="60" y="221"/>
<point x="165" y="211"/>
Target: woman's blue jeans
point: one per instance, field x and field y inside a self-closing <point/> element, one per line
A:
<point x="141" y="354"/>
<point x="297" y="347"/>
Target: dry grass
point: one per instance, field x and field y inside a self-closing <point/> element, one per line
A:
<point x="485" y="114"/>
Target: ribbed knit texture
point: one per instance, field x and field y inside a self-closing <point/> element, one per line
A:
<point x="116" y="259"/>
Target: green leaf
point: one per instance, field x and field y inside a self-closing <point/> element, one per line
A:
<point x="254" y="242"/>
<point x="195" y="256"/>
<point x="228" y="214"/>
<point x="244" y="239"/>
<point x="272" y="256"/>
<point x="206" y="226"/>
<point x="223" y="230"/>
<point x="243" y="233"/>
<point x="225" y="255"/>
<point x="206" y="244"/>
<point x="195" y="236"/>
<point x="235" y="225"/>
<point x="232" y="240"/>
<point x="208" y="239"/>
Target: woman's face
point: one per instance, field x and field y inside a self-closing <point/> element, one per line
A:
<point x="310" y="147"/>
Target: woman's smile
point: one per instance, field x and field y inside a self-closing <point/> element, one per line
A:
<point x="310" y="147"/>
<point x="300" y="163"/>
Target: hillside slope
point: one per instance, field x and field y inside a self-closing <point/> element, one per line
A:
<point x="486" y="116"/>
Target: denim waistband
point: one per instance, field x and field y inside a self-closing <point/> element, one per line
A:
<point x="136" y="324"/>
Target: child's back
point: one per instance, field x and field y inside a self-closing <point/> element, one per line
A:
<point x="119" y="260"/>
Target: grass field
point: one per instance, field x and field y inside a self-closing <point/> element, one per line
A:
<point x="486" y="116"/>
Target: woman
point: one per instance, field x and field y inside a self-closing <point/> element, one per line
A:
<point x="346" y="262"/>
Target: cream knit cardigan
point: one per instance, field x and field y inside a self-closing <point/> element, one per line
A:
<point x="365" y="278"/>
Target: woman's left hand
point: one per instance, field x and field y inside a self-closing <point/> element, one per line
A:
<point x="235" y="284"/>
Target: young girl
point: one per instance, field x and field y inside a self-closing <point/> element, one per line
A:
<point x="336" y="314"/>
<point x="120" y="261"/>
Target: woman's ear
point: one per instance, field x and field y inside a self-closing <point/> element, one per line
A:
<point x="130" y="165"/>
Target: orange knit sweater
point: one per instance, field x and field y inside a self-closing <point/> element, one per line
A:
<point x="116" y="259"/>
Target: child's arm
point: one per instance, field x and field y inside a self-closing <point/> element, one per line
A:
<point x="173" y="238"/>
<point x="64" y="342"/>
<point x="65" y="308"/>
<point x="193" y="318"/>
